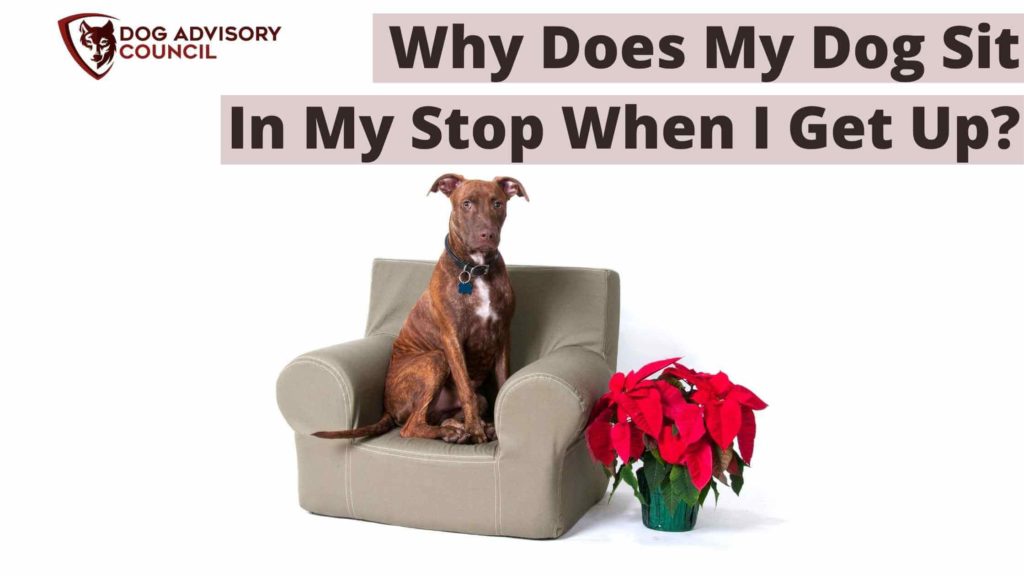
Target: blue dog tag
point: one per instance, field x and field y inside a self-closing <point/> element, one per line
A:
<point x="465" y="287"/>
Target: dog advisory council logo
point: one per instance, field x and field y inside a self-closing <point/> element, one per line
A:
<point x="95" y="40"/>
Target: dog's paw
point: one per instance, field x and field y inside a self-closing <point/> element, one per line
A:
<point x="454" y="434"/>
<point x="477" y="433"/>
<point x="492" y="435"/>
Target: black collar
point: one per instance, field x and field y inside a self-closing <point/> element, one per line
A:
<point x="468" y="271"/>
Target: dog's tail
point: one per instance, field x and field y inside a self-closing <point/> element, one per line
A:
<point x="381" y="426"/>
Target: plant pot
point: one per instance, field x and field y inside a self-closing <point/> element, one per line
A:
<point x="656" y="514"/>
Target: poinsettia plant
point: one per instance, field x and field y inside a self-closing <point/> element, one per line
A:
<point x="685" y="426"/>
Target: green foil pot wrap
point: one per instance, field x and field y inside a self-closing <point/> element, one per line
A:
<point x="656" y="515"/>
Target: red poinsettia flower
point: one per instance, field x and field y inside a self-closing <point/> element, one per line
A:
<point x="640" y="398"/>
<point x="637" y="406"/>
<point x="688" y="418"/>
<point x="683" y="423"/>
<point x="606" y="439"/>
<point x="696" y="456"/>
<point x="728" y="408"/>
<point x="687" y="443"/>
<point x="599" y="432"/>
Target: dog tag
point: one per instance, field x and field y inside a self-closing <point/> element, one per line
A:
<point x="465" y="287"/>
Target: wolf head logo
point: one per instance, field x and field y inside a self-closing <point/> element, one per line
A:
<point x="100" y="40"/>
<point x="92" y="41"/>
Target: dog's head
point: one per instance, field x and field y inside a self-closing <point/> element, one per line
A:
<point x="478" y="209"/>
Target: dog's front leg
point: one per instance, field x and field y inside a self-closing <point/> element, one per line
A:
<point x="457" y="364"/>
<point x="465" y="392"/>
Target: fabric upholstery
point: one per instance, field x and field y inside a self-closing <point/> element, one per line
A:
<point x="555" y="306"/>
<point x="535" y="481"/>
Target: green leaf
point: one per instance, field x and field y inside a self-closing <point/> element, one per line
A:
<point x="736" y="480"/>
<point x="618" y="478"/>
<point x="655" y="472"/>
<point x="743" y="464"/>
<point x="630" y="478"/>
<point x="684" y="388"/>
<point x="737" y="483"/>
<point x="690" y="492"/>
<point x="647" y="458"/>
<point x="704" y="492"/>
<point x="680" y="489"/>
<point x="653" y="448"/>
<point x="671" y="493"/>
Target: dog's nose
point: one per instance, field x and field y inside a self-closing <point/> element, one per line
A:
<point x="487" y="235"/>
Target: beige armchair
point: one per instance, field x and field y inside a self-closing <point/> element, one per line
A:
<point x="535" y="481"/>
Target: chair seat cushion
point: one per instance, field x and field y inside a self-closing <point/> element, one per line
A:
<point x="392" y="443"/>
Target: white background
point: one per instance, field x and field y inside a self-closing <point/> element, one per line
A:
<point x="150" y="296"/>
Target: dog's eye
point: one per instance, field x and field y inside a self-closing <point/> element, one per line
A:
<point x="497" y="204"/>
<point x="466" y="203"/>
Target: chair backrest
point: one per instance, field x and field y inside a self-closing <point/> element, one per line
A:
<point x="555" y="306"/>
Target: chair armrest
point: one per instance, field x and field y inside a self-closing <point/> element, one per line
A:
<point x="543" y="408"/>
<point x="335" y="388"/>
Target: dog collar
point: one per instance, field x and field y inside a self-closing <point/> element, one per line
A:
<point x="468" y="271"/>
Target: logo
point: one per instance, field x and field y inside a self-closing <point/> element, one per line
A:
<point x="91" y="40"/>
<point x="95" y="40"/>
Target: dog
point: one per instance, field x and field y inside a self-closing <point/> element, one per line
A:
<point x="101" y="40"/>
<point x="456" y="337"/>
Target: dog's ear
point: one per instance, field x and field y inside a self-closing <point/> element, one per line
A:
<point x="512" y="187"/>
<point x="84" y="28"/>
<point x="107" y="28"/>
<point x="447" y="184"/>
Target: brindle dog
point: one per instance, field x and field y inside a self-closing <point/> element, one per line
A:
<point x="457" y="335"/>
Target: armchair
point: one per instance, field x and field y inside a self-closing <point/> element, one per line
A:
<point x="535" y="481"/>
